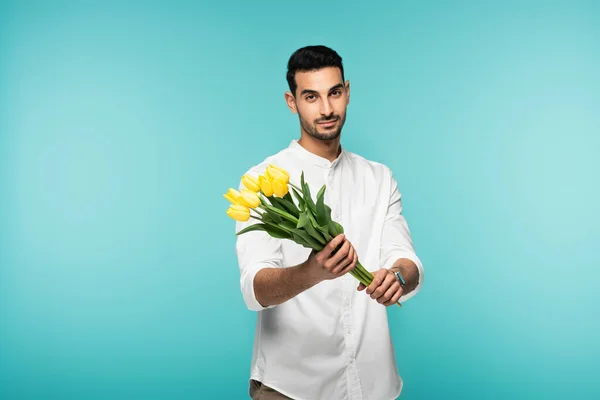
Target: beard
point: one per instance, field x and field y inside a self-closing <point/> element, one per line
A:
<point x="312" y="129"/>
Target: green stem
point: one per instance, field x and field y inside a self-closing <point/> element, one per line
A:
<point x="358" y="276"/>
<point x="295" y="187"/>
<point x="367" y="276"/>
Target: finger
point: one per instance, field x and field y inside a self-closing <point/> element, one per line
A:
<point x="351" y="265"/>
<point x="395" y="297"/>
<point x="354" y="260"/>
<point x="378" y="278"/>
<point x="387" y="282"/>
<point x="389" y="293"/>
<point x="335" y="259"/>
<point x="360" y="287"/>
<point x="345" y="262"/>
<point x="330" y="247"/>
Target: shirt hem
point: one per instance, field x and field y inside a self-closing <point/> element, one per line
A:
<point x="288" y="394"/>
<point x="276" y="387"/>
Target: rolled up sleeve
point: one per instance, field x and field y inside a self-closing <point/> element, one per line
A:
<point x="255" y="250"/>
<point x="396" y="241"/>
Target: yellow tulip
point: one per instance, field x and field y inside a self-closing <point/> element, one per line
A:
<point x="234" y="196"/>
<point x="265" y="186"/>
<point x="283" y="171"/>
<point x="250" y="198"/>
<point x="239" y="212"/>
<point x="251" y="182"/>
<point x="278" y="173"/>
<point x="280" y="188"/>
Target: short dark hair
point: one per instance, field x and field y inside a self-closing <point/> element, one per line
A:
<point x="311" y="58"/>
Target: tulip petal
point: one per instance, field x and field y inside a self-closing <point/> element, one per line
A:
<point x="265" y="186"/>
<point x="230" y="198"/>
<point x="251" y="182"/>
<point x="283" y="171"/>
<point x="239" y="212"/>
<point x="250" y="198"/>
<point x="276" y="174"/>
<point x="280" y="188"/>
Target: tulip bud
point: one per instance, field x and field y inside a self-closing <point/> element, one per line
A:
<point x="234" y="196"/>
<point x="283" y="171"/>
<point x="265" y="186"/>
<point x="280" y="188"/>
<point x="278" y="173"/>
<point x="251" y="182"/>
<point x="239" y="212"/>
<point x="250" y="198"/>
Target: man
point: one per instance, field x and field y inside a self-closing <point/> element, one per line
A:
<point x="318" y="335"/>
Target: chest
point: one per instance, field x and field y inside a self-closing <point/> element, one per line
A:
<point x="358" y="202"/>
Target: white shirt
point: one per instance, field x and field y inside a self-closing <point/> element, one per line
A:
<point x="331" y="341"/>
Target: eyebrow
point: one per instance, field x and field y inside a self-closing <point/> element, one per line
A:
<point x="305" y="91"/>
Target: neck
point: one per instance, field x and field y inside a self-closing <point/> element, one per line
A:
<point x="329" y="149"/>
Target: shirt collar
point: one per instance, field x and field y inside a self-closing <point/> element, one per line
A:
<point x="316" y="159"/>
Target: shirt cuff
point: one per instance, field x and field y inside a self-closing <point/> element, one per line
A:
<point x="247" y="286"/>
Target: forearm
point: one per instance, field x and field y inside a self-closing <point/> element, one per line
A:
<point x="409" y="271"/>
<point x="273" y="286"/>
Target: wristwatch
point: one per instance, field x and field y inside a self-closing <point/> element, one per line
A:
<point x="400" y="278"/>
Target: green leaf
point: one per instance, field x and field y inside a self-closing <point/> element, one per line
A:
<point x="303" y="219"/>
<point x="298" y="239"/>
<point x="301" y="202"/>
<point x="284" y="204"/>
<point x="290" y="199"/>
<point x="282" y="213"/>
<point x="325" y="231"/>
<point x="253" y="227"/>
<point x="267" y="218"/>
<point x="277" y="232"/>
<point x="327" y="212"/>
<point x="313" y="244"/>
<point x="306" y="192"/>
<point x="275" y="203"/>
<point x="274" y="216"/>
<point x="321" y="193"/>
<point x="262" y="199"/>
<point x="333" y="229"/>
<point x="320" y="207"/>
<point x="312" y="231"/>
<point x="287" y="225"/>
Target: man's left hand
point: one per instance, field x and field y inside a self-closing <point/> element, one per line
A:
<point x="385" y="287"/>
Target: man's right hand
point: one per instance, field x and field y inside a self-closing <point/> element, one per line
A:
<point x="326" y="264"/>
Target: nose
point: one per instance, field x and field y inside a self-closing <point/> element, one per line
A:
<point x="326" y="108"/>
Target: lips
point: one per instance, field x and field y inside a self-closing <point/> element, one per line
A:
<point x="328" y="123"/>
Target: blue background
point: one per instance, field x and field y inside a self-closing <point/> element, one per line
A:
<point x="121" y="126"/>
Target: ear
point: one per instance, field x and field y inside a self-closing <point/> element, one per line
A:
<point x="347" y="92"/>
<point x="291" y="101"/>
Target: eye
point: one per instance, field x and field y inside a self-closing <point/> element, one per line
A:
<point x="336" y="92"/>
<point x="310" y="97"/>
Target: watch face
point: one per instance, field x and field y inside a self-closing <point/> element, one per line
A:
<point x="400" y="278"/>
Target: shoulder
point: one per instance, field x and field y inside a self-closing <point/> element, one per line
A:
<point x="377" y="169"/>
<point x="279" y="159"/>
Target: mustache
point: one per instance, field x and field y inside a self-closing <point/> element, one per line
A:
<point x="329" y="119"/>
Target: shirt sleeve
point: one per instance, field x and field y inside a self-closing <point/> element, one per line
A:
<point x="396" y="240"/>
<point x="255" y="250"/>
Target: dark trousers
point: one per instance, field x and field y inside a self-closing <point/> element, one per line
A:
<point x="259" y="391"/>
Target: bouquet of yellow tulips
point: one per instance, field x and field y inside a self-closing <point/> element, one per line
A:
<point x="307" y="223"/>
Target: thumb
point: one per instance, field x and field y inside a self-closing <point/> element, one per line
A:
<point x="360" y="287"/>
